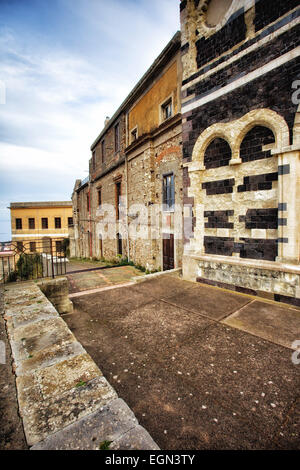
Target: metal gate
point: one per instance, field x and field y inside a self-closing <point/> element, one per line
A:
<point x="32" y="259"/>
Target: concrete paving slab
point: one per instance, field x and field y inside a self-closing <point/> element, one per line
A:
<point x="42" y="418"/>
<point x="212" y="304"/>
<point x="108" y="423"/>
<point x="157" y="324"/>
<point x="208" y="387"/>
<point x="281" y="325"/>
<point x="162" y="286"/>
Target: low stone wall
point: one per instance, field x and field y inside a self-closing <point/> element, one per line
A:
<point x="277" y="281"/>
<point x="64" y="400"/>
<point x="57" y="291"/>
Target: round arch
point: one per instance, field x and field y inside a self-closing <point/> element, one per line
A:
<point x="296" y="129"/>
<point x="265" y="118"/>
<point x="235" y="131"/>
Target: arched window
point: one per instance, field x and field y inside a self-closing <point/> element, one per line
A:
<point x="255" y="139"/>
<point x="217" y="154"/>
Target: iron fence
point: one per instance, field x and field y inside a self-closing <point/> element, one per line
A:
<point x="33" y="259"/>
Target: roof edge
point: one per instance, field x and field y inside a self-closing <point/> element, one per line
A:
<point x="174" y="43"/>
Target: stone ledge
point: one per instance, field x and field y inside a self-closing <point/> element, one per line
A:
<point x="261" y="264"/>
<point x="114" y="423"/>
<point x="64" y="400"/>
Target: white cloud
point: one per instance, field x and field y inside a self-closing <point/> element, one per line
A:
<point x="59" y="90"/>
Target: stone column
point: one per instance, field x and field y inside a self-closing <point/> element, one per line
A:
<point x="289" y="205"/>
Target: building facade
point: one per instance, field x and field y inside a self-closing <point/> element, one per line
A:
<point x="135" y="175"/>
<point x="35" y="222"/>
<point x="241" y="144"/>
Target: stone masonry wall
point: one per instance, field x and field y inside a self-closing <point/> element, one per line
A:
<point x="238" y="126"/>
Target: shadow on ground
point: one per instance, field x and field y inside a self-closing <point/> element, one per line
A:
<point x="193" y="381"/>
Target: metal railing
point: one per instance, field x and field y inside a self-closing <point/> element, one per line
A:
<point x="33" y="259"/>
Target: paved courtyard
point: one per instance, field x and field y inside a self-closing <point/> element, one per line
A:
<point x="201" y="368"/>
<point x="89" y="276"/>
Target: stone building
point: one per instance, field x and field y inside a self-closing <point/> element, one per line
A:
<point x="241" y="144"/>
<point x="34" y="224"/>
<point x="136" y="167"/>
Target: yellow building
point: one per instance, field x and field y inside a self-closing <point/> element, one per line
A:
<point x="33" y="224"/>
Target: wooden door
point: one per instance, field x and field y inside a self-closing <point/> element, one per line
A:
<point x="168" y="251"/>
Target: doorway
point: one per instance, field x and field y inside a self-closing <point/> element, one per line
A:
<point x="168" y="251"/>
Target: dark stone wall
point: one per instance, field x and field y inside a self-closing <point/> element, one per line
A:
<point x="273" y="90"/>
<point x="219" y="245"/>
<point x="217" y="154"/>
<point x="258" y="248"/>
<point x="251" y="147"/>
<point x="219" y="187"/>
<point x="280" y="45"/>
<point x="267" y="11"/>
<point x="258" y="182"/>
<point x="261" y="218"/>
<point x="231" y="34"/>
<point x="218" y="219"/>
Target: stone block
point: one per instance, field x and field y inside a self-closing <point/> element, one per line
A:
<point x="109" y="423"/>
<point x="57" y="291"/>
<point x="41" y="418"/>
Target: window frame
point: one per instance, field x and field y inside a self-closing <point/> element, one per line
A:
<point x="134" y="134"/>
<point x="32" y="247"/>
<point x="56" y="219"/>
<point x="19" y="222"/>
<point x="118" y="194"/>
<point x="168" y="192"/>
<point x="103" y="150"/>
<point x="31" y="219"/>
<point x="46" y="223"/>
<point x="117" y="137"/>
<point x="99" y="196"/>
<point x="168" y="101"/>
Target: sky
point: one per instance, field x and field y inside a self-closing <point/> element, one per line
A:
<point x="64" y="66"/>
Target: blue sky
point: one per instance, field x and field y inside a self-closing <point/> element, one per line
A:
<point x="66" y="65"/>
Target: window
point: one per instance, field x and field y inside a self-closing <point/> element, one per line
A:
<point x="118" y="199"/>
<point x="18" y="224"/>
<point x="88" y="202"/>
<point x="44" y="223"/>
<point x="103" y="150"/>
<point x="166" y="110"/>
<point x="32" y="246"/>
<point x="70" y="221"/>
<point x="133" y="135"/>
<point x="57" y="222"/>
<point x="31" y="224"/>
<point x="58" y="246"/>
<point x="20" y="246"/>
<point x="120" y="248"/>
<point x="117" y="138"/>
<point x="99" y="197"/>
<point x="94" y="160"/>
<point x="168" y="192"/>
